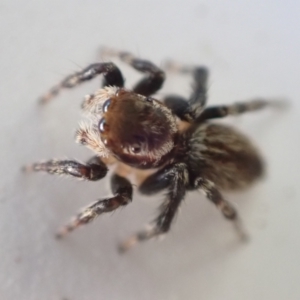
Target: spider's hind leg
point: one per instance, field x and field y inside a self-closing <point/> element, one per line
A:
<point x="229" y="212"/>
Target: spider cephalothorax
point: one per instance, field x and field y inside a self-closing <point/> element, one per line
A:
<point x="134" y="129"/>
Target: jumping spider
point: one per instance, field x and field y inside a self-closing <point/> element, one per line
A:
<point x="133" y="129"/>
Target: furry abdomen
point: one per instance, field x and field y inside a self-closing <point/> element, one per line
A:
<point x="222" y="155"/>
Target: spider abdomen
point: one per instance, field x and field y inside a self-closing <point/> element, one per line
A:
<point x="223" y="155"/>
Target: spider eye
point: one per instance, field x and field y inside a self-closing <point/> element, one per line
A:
<point x="136" y="149"/>
<point x="137" y="146"/>
<point x="149" y="99"/>
<point x="106" y="105"/>
<point x="102" y="125"/>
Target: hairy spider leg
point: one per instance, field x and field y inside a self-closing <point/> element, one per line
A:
<point x="229" y="212"/>
<point x="93" y="170"/>
<point x="111" y="73"/>
<point x="221" y="111"/>
<point x="191" y="108"/>
<point x="122" y="190"/>
<point x="149" y="84"/>
<point x="177" y="175"/>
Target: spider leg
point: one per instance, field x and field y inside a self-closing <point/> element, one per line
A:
<point x="178" y="177"/>
<point x="193" y="110"/>
<point x="178" y="105"/>
<point x="155" y="76"/>
<point x="93" y="170"/>
<point x="213" y="194"/>
<point x="222" y="111"/>
<point x="189" y="110"/>
<point x="157" y="182"/>
<point x="109" y="70"/>
<point x="122" y="190"/>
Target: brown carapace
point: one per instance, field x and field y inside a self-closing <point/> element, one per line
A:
<point x="136" y="131"/>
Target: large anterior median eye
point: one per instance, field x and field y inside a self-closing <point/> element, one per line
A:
<point x="106" y="105"/>
<point x="102" y="125"/>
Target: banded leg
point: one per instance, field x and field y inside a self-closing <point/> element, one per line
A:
<point x="189" y="110"/>
<point x="178" y="177"/>
<point x="148" y="85"/>
<point x="222" y="111"/>
<point x="111" y="73"/>
<point x="122" y="190"/>
<point x="228" y="211"/>
<point x="94" y="170"/>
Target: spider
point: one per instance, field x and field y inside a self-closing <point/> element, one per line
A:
<point x="132" y="129"/>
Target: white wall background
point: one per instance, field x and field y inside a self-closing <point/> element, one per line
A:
<point x="252" y="49"/>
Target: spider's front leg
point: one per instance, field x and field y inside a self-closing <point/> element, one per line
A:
<point x="155" y="76"/>
<point x="93" y="170"/>
<point x="110" y="71"/>
<point x="190" y="109"/>
<point x="175" y="177"/>
<point x="122" y="190"/>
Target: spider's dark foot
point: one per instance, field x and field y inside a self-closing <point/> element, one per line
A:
<point x="59" y="235"/>
<point x="26" y="169"/>
<point x="279" y="103"/>
<point x="228" y="210"/>
<point x="240" y="230"/>
<point x="127" y="244"/>
<point x="44" y="99"/>
<point x="47" y="97"/>
<point x="35" y="167"/>
<point x="175" y="67"/>
<point x="106" y="52"/>
<point x="231" y="214"/>
<point x="63" y="231"/>
<point x="148" y="233"/>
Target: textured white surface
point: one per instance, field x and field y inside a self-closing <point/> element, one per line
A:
<point x="252" y="49"/>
